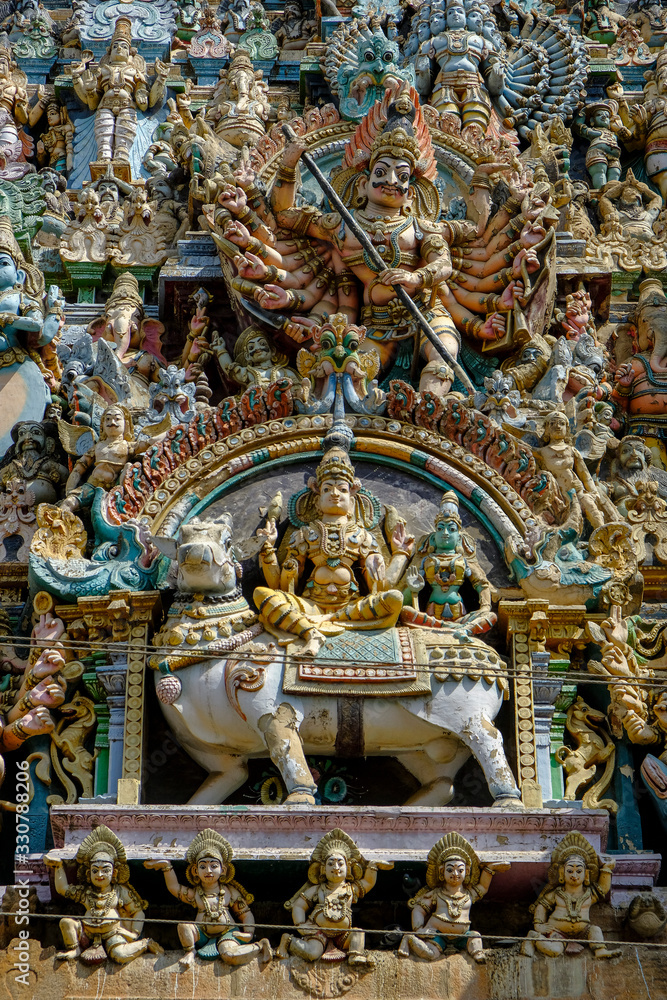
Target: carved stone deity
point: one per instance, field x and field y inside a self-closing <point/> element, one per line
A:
<point x="26" y="335"/>
<point x="640" y="384"/>
<point x="115" y="90"/>
<point x="338" y="877"/>
<point x="462" y="54"/>
<point x="55" y="147"/>
<point x="416" y="250"/>
<point x="34" y="460"/>
<point x="256" y="361"/>
<point x="559" y="457"/>
<point x="576" y="881"/>
<point x="220" y="902"/>
<point x="135" y="336"/>
<point x="239" y="106"/>
<point x="444" y="560"/>
<point x="333" y="540"/>
<point x="114" y="916"/>
<point x="455" y="879"/>
<point x="15" y="145"/>
<point x="629" y="208"/>
<point x="105" y="461"/>
<point x="600" y="124"/>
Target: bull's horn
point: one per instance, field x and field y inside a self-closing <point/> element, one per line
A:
<point x="167" y="546"/>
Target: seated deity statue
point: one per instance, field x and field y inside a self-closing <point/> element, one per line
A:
<point x="224" y="925"/>
<point x="338" y="877"/>
<point x="114" y="916"/>
<point x="576" y="881"/>
<point x="333" y="538"/>
<point x="455" y="879"/>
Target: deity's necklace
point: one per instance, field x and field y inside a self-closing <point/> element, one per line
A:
<point x="455" y="904"/>
<point x="379" y="227"/>
<point x="333" y="543"/>
<point x="211" y="913"/>
<point x="101" y="903"/>
<point x="573" y="904"/>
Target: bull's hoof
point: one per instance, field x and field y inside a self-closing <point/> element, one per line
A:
<point x="510" y="803"/>
<point x="299" y="799"/>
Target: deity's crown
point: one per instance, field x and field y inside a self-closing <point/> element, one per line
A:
<point x="449" y="508"/>
<point x="574" y="844"/>
<point x="103" y="845"/>
<point x="336" y="464"/>
<point x="397" y="138"/>
<point x="591" y="109"/>
<point x="126" y="287"/>
<point x="335" y="842"/>
<point x="451" y="847"/>
<point x="122" y="31"/>
<point x="208" y="844"/>
<point x="241" y="58"/>
<point x="8" y="242"/>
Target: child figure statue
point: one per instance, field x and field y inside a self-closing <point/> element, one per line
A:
<point x="445" y="559"/>
<point x="114" y="916"/>
<point x="338" y="877"/>
<point x="455" y="880"/>
<point x="576" y="881"/>
<point x="215" y="896"/>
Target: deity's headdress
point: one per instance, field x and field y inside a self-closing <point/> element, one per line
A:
<point x="102" y="845"/>
<point x="126" y="289"/>
<point x="240" y="347"/>
<point x="208" y="844"/>
<point x="397" y="138"/>
<point x="453" y="845"/>
<point x="573" y="845"/>
<point x="335" y="842"/>
<point x="394" y="126"/>
<point x="449" y="509"/>
<point x="122" y="31"/>
<point x="34" y="283"/>
<point x="336" y="464"/>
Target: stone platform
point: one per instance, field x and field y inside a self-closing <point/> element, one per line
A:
<point x="640" y="974"/>
<point x="401" y="833"/>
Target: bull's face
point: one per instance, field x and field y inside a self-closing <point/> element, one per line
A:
<point x="206" y="561"/>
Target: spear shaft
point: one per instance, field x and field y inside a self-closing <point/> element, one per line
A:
<point x="401" y="293"/>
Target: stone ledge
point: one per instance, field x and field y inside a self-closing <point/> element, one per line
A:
<point x="640" y="973"/>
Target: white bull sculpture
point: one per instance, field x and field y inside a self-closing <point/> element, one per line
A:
<point x="220" y="680"/>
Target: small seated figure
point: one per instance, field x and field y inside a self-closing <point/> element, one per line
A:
<point x="338" y="877"/>
<point x="455" y="880"/>
<point x="256" y="361"/>
<point x="445" y="559"/>
<point x="332" y="517"/>
<point x="107" y="458"/>
<point x="576" y="881"/>
<point x="114" y="916"/>
<point x="220" y="902"/>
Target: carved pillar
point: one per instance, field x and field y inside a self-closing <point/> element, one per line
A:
<point x="143" y="609"/>
<point x="120" y="624"/>
<point x="540" y="637"/>
<point x="112" y="678"/>
<point x="548" y="692"/>
<point x="97" y="692"/>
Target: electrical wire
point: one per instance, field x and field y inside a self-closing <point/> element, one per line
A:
<point x="473" y="668"/>
<point x="421" y="932"/>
